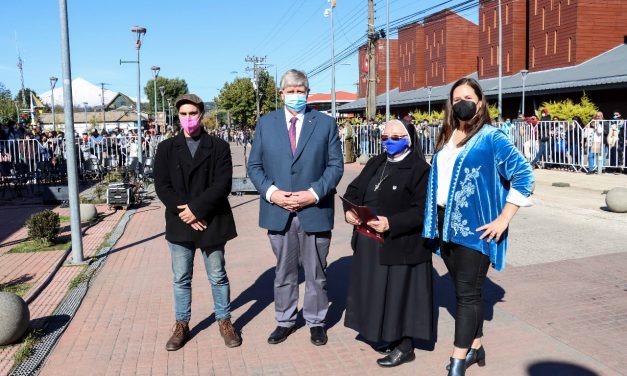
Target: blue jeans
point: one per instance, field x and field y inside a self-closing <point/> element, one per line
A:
<point x="183" y="270"/>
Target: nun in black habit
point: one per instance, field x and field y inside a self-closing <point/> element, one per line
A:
<point x="390" y="292"/>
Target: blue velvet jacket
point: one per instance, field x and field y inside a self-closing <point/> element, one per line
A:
<point x="483" y="173"/>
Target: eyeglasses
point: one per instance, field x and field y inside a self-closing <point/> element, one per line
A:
<point x="394" y="137"/>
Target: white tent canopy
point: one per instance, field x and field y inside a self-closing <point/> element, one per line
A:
<point x="83" y="91"/>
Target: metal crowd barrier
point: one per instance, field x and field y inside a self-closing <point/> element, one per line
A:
<point x="30" y="152"/>
<point x="563" y="144"/>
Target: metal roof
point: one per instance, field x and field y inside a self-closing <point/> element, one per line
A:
<point x="608" y="68"/>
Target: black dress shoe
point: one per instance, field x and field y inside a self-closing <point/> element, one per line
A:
<point x="395" y="358"/>
<point x="280" y="334"/>
<point x="318" y="335"/>
<point x="384" y="349"/>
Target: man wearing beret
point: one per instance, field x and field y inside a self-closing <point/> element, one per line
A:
<point x="193" y="172"/>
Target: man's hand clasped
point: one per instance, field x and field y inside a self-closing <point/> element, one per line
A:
<point x="188" y="217"/>
<point x="292" y="201"/>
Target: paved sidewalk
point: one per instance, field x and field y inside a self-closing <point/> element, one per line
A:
<point x="35" y="267"/>
<point x="564" y="316"/>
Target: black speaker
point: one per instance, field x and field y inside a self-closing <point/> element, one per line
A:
<point x="55" y="194"/>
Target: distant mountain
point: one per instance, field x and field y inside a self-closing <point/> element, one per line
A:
<point x="83" y="91"/>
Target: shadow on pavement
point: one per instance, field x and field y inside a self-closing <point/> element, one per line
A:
<point x="50" y="324"/>
<point x="337" y="279"/>
<point x="116" y="250"/>
<point x="444" y="296"/>
<point x="558" y="369"/>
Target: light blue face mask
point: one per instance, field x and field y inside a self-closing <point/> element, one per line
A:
<point x="296" y="102"/>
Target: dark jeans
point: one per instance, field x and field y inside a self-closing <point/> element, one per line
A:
<point x="468" y="269"/>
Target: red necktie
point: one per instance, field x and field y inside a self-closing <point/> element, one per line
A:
<point x="292" y="134"/>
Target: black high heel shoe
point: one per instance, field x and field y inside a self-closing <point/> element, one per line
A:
<point x="474" y="356"/>
<point x="457" y="367"/>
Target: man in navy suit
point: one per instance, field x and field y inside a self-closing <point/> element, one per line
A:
<point x="295" y="164"/>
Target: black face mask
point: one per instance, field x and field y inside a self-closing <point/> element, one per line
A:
<point x="464" y="110"/>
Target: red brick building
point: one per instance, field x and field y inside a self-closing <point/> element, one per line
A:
<point x="379" y="59"/>
<point x="411" y="59"/>
<point x="514" y="17"/>
<point x="451" y="47"/>
<point x="569" y="32"/>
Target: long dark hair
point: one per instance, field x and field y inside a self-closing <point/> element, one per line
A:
<point x="474" y="125"/>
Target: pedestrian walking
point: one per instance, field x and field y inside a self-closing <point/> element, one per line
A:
<point x="295" y="164"/>
<point x="477" y="183"/>
<point x="390" y="290"/>
<point x="193" y="173"/>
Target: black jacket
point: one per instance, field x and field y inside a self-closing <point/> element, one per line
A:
<point x="203" y="183"/>
<point x="402" y="199"/>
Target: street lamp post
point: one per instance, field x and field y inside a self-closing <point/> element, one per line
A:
<point x="429" y="92"/>
<point x="17" y="111"/>
<point x="85" y="112"/>
<point x="329" y="13"/>
<point x="155" y="74"/>
<point x="500" y="57"/>
<point x="170" y="112"/>
<point x="162" y="90"/>
<point x="523" y="75"/>
<point x="139" y="32"/>
<point x="53" y="83"/>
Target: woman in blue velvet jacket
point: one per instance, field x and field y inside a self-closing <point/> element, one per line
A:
<point x="477" y="183"/>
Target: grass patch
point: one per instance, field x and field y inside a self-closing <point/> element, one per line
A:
<point x="19" y="289"/>
<point x="80" y="278"/>
<point x="28" y="344"/>
<point x="64" y="218"/>
<point x="37" y="246"/>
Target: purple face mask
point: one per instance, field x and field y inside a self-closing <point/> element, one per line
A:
<point x="190" y="124"/>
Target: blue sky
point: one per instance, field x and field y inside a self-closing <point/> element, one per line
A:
<point x="203" y="42"/>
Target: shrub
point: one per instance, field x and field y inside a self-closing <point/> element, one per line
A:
<point x="567" y="109"/>
<point x="44" y="226"/>
<point x="435" y="115"/>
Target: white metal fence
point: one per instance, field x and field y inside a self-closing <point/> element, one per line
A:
<point x="565" y="144"/>
<point x="119" y="150"/>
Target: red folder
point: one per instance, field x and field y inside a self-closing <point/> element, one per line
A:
<point x="364" y="214"/>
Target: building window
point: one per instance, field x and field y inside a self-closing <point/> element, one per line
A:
<point x="442" y="36"/>
<point x="570" y="46"/>
<point x="443" y="80"/>
<point x="495" y="18"/>
<point x="482" y="66"/>
<point x="559" y="14"/>
<point x="433" y="38"/>
<point x="554" y="42"/>
<point x="438" y="51"/>
<point x="432" y="65"/>
<point x="483" y="21"/>
<point x="489" y="35"/>
<point x="533" y="57"/>
<point x="507" y="61"/>
<point x="491" y="55"/>
<point x="546" y="43"/>
<point x="506" y="14"/>
<point x="543" y="16"/>
<point x="436" y="68"/>
<point x="551" y="4"/>
<point x="535" y="8"/>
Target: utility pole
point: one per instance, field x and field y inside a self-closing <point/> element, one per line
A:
<point x="256" y="61"/>
<point x="104" y="121"/>
<point x="20" y="66"/>
<point x="371" y="86"/>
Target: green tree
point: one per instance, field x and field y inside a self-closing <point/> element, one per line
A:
<point x="8" y="114"/>
<point x="239" y="99"/>
<point x="173" y="88"/>
<point x="18" y="97"/>
<point x="567" y="109"/>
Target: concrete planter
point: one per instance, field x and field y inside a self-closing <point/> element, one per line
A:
<point x="14" y="318"/>
<point x="88" y="212"/>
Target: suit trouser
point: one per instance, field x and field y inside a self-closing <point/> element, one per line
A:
<point x="292" y="248"/>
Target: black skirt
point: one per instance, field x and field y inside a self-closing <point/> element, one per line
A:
<point x="388" y="302"/>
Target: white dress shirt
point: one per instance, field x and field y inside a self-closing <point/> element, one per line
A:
<point x="446" y="162"/>
<point x="300" y="116"/>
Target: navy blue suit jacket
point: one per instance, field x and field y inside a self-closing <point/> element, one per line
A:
<point x="317" y="164"/>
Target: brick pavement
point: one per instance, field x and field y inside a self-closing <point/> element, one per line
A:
<point x="34" y="267"/>
<point x="559" y="318"/>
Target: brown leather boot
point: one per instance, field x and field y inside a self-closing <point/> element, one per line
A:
<point x="179" y="336"/>
<point x="231" y="338"/>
